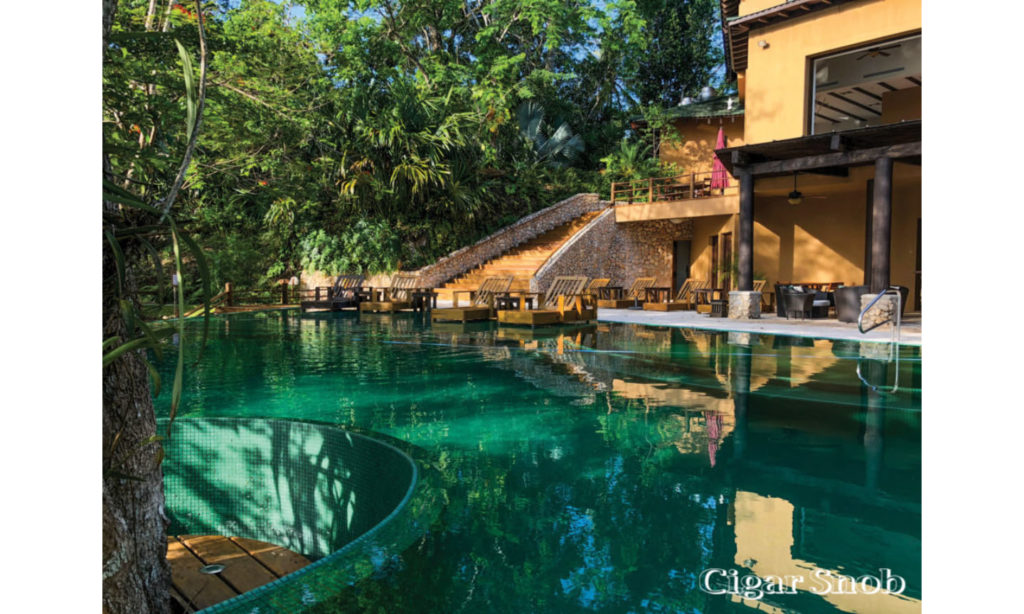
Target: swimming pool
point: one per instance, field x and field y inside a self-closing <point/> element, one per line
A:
<point x="610" y="468"/>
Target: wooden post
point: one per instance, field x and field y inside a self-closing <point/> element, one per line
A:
<point x="284" y="294"/>
<point x="317" y="291"/>
<point x="693" y="186"/>
<point x="881" y="222"/>
<point x="227" y="294"/>
<point x="650" y="190"/>
<point x="745" y="249"/>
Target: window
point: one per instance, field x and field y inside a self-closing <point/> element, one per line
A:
<point x="870" y="86"/>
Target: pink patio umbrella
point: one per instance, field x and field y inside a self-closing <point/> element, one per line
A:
<point x="719" y="176"/>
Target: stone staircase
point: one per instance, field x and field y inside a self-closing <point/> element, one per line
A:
<point x="522" y="261"/>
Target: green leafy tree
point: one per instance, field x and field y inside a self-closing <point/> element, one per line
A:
<point x="682" y="55"/>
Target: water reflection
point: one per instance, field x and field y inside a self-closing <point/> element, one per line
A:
<point x="604" y="467"/>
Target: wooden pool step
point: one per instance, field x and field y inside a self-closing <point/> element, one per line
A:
<point x="248" y="564"/>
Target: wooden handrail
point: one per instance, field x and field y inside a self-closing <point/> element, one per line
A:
<point x="655" y="189"/>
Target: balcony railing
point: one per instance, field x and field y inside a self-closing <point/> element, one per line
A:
<point x="660" y="189"/>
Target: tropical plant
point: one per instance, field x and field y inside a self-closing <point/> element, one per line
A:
<point x="140" y="189"/>
<point x="559" y="149"/>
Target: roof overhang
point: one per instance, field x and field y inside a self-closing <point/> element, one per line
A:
<point x="735" y="29"/>
<point x="826" y="153"/>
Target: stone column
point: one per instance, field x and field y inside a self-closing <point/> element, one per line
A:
<point x="744" y="305"/>
<point x="881" y="223"/>
<point x="745" y="248"/>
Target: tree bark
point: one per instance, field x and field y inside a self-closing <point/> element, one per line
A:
<point x="136" y="575"/>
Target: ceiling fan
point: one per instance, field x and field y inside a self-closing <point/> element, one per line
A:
<point x="796" y="196"/>
<point x="874" y="52"/>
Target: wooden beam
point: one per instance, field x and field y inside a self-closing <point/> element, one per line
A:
<point x="868" y="94"/>
<point x="831" y="171"/>
<point x="843" y="158"/>
<point x="838" y="110"/>
<point x="836" y="143"/>
<point x="855" y="103"/>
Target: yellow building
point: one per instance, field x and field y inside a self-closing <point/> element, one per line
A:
<point x="829" y="106"/>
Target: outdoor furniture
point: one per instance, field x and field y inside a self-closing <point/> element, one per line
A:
<point x="684" y="299"/>
<point x="782" y="290"/>
<point x="798" y="303"/>
<point x="766" y="302"/>
<point x="657" y="294"/>
<point x="719" y="308"/>
<point x="344" y="293"/>
<point x="609" y="293"/>
<point x="564" y="302"/>
<point x="481" y="301"/>
<point x="397" y="297"/>
<point x="597" y="284"/>
<point x="702" y="298"/>
<point x="633" y="297"/>
<point x="847" y="301"/>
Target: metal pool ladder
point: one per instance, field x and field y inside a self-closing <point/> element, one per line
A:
<point x="894" y="345"/>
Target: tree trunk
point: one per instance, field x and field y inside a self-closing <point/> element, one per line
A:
<point x="136" y="575"/>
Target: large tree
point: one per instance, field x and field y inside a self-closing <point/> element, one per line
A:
<point x="682" y="55"/>
<point x="138" y="167"/>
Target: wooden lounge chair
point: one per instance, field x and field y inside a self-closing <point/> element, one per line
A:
<point x="344" y="293"/>
<point x="596" y="284"/>
<point x="759" y="285"/>
<point x="684" y="299"/>
<point x="636" y="294"/>
<point x="395" y="298"/>
<point x="481" y="301"/>
<point x="564" y="302"/>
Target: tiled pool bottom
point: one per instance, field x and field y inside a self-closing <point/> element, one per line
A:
<point x="610" y="468"/>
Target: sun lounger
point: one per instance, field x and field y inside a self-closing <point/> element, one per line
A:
<point x="481" y="301"/>
<point x="344" y="293"/>
<point x="397" y="297"/>
<point x="684" y="299"/>
<point x="635" y="295"/>
<point x="564" y="302"/>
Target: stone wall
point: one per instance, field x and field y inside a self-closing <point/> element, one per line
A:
<point x="314" y="279"/>
<point x="460" y="261"/>
<point x="620" y="251"/>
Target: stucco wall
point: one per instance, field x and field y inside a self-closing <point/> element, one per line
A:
<point x="775" y="88"/>
<point x="823" y="238"/>
<point x="696" y="153"/>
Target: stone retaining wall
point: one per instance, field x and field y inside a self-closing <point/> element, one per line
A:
<point x="620" y="251"/>
<point x="460" y="261"/>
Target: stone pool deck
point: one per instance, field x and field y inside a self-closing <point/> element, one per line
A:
<point x="771" y="324"/>
<point x="768" y="323"/>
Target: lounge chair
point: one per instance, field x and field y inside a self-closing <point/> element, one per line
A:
<point x="344" y="293"/>
<point x="596" y="284"/>
<point x="394" y="298"/>
<point x="481" y="301"/>
<point x="635" y="295"/>
<point x="564" y="302"/>
<point x="684" y="299"/>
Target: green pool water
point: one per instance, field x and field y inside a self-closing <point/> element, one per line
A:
<point x="605" y="468"/>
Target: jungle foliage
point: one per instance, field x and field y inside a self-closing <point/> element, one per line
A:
<point x="376" y="134"/>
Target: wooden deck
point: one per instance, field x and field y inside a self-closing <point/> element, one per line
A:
<point x="248" y="564"/>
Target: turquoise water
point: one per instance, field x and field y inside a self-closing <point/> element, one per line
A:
<point x="605" y="468"/>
